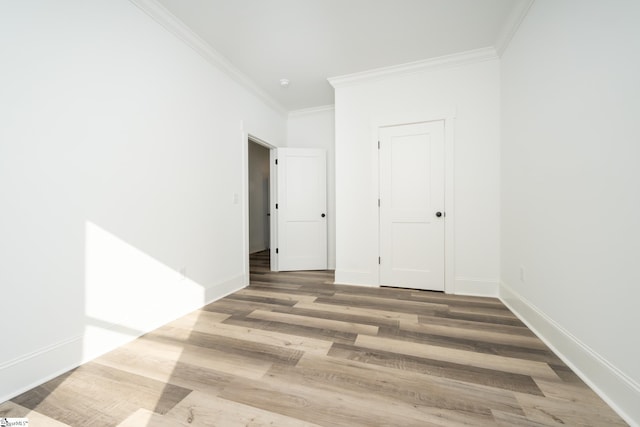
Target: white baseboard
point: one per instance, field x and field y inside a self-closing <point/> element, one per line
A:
<point x="356" y="278"/>
<point x="33" y="369"/>
<point x="463" y="286"/>
<point x="225" y="288"/>
<point x="476" y="288"/>
<point x="613" y="386"/>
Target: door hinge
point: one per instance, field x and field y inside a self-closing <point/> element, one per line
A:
<point x="378" y="202"/>
<point x="276" y="206"/>
<point x="276" y="161"/>
<point x="378" y="145"/>
<point x="277" y="250"/>
<point x="379" y="260"/>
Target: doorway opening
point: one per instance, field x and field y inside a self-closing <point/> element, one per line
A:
<point x="285" y="206"/>
<point x="259" y="192"/>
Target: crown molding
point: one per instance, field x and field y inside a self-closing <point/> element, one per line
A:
<point x="311" y="110"/>
<point x="453" y="60"/>
<point x="517" y="15"/>
<point x="179" y="29"/>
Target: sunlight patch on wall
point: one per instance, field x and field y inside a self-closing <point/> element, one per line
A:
<point x="128" y="292"/>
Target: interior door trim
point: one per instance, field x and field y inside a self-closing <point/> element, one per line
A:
<point x="447" y="115"/>
<point x="245" y="136"/>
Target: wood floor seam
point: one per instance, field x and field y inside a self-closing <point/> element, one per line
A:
<point x="293" y="349"/>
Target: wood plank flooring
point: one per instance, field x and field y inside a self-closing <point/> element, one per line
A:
<point x="294" y="350"/>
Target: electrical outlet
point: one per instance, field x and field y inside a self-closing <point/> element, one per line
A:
<point x="522" y="274"/>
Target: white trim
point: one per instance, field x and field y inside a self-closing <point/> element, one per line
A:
<point x="513" y="22"/>
<point x="35" y="368"/>
<point x="222" y="289"/>
<point x="477" y="287"/>
<point x="37" y="353"/>
<point x="244" y="182"/>
<point x="245" y="136"/>
<point x="446" y="61"/>
<point x="179" y="29"/>
<point x="356" y="278"/>
<point x="274" y="258"/>
<point x="312" y="110"/>
<point x="449" y="197"/>
<point x="613" y="386"/>
<point x="404" y="118"/>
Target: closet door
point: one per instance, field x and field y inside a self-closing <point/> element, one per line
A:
<point x="412" y="206"/>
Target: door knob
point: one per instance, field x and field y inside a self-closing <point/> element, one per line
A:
<point x="438" y="214"/>
<point x="323" y="215"/>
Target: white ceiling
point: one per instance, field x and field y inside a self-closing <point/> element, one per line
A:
<point x="307" y="41"/>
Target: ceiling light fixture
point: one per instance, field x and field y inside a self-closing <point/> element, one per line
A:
<point x="284" y="83"/>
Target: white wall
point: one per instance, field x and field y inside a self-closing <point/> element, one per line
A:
<point x="121" y="153"/>
<point x="259" y="188"/>
<point x="473" y="92"/>
<point x="571" y="186"/>
<point x="315" y="128"/>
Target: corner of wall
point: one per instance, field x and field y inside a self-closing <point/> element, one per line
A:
<point x="512" y="24"/>
<point x="614" y="387"/>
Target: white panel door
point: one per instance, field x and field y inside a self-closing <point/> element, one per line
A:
<point x="302" y="208"/>
<point x="412" y="206"/>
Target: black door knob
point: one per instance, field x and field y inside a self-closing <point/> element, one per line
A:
<point x="323" y="215"/>
<point x="438" y="214"/>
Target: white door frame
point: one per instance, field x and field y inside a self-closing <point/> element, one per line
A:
<point x="448" y="117"/>
<point x="246" y="137"/>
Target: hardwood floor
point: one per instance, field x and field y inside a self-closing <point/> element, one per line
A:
<point x="294" y="350"/>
